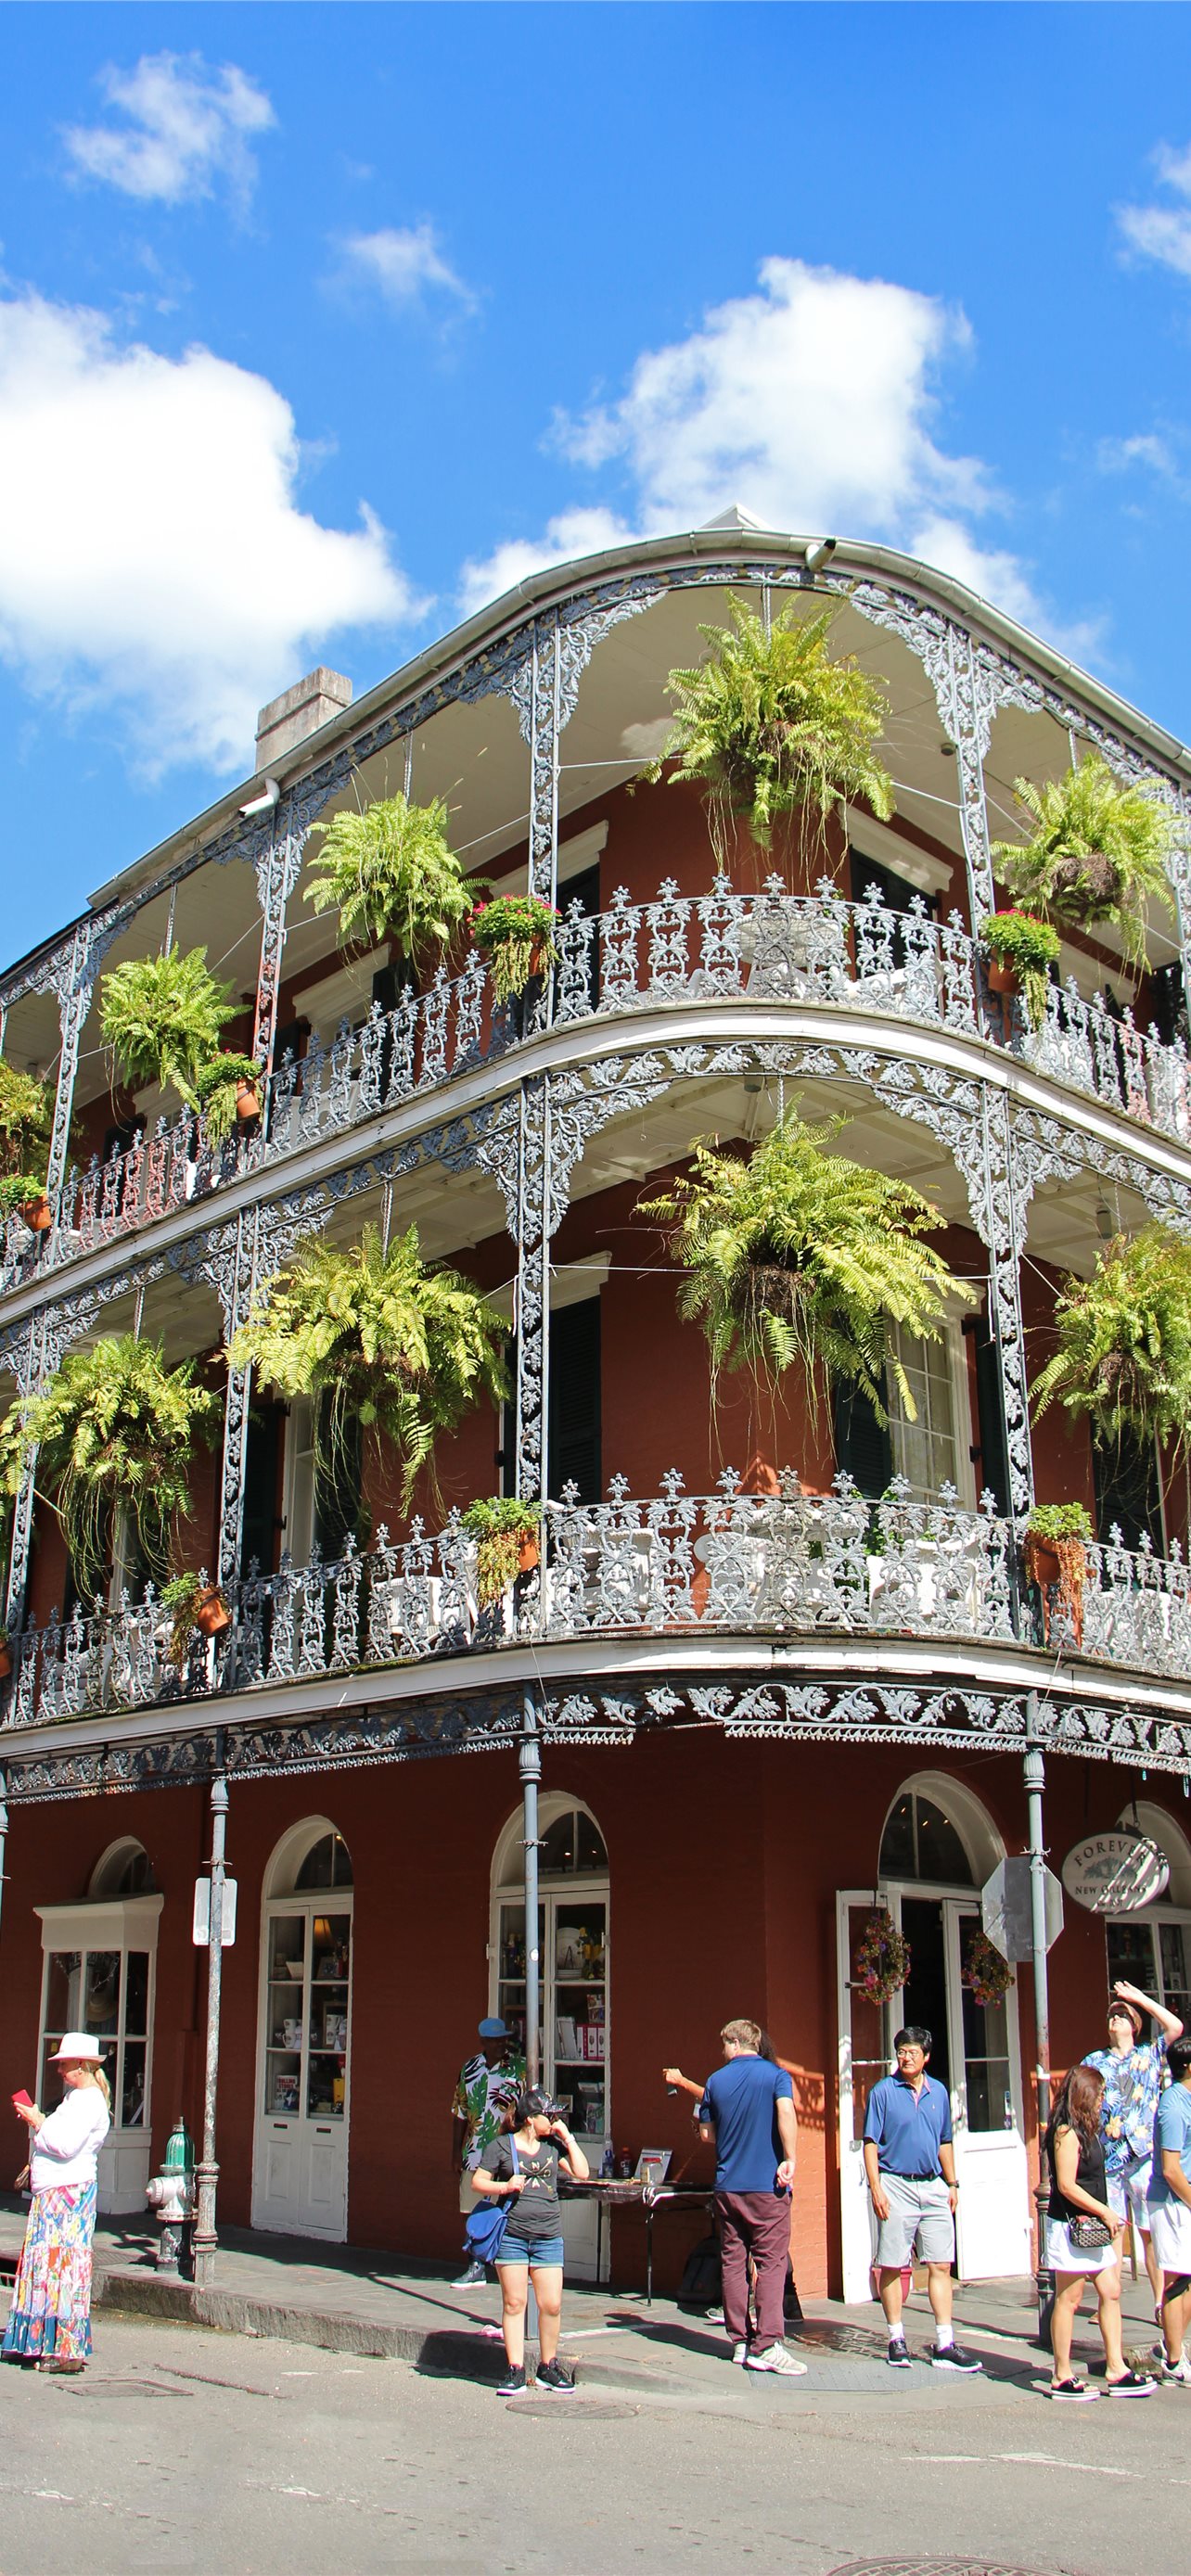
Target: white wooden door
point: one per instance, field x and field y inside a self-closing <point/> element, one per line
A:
<point x="863" y="2059"/>
<point x="993" y="2239"/>
<point x="300" y="2165"/>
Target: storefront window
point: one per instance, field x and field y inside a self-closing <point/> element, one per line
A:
<point x="106" y="1993"/>
<point x="573" y="1949"/>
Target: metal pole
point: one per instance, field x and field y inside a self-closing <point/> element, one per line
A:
<point x="1034" y="1777"/>
<point x="530" y="1763"/>
<point x="207" y="2176"/>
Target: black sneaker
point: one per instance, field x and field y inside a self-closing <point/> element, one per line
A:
<point x="550" y="2374"/>
<point x="472" y="2278"/>
<point x="897" y="2356"/>
<point x="512" y="2381"/>
<point x="951" y="2356"/>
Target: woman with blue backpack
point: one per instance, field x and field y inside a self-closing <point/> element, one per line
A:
<point x="517" y="2180"/>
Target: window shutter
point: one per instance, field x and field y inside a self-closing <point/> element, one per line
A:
<point x="862" y="1444"/>
<point x="575" y="1423"/>
<point x="993" y="1464"/>
<point x="259" y="1538"/>
<point x="1125" y="1475"/>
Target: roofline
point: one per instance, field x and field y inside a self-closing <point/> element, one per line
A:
<point x="556" y="582"/>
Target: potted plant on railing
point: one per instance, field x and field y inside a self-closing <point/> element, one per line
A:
<point x="515" y="932"/>
<point x="196" y="1609"/>
<point x="378" y="1339"/>
<point x="26" y="1117"/>
<point x="1022" y="952"/>
<point x="390" y="873"/>
<point x="1055" y="1554"/>
<point x="1097" y="853"/>
<point x="508" y="1537"/>
<point x="1123" y="1361"/>
<point x="772" y="724"/>
<point x="115" y="1430"/>
<point x="228" y="1094"/>
<point x="162" y="1017"/>
<point x="23" y="1191"/>
<point x="800" y="1254"/>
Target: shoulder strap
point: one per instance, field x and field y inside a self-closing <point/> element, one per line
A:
<point x="513" y="2152"/>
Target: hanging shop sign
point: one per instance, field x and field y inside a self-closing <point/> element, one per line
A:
<point x="1116" y="1873"/>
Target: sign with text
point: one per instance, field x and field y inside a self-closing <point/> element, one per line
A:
<point x="201" y="1934"/>
<point x="1116" y="1873"/>
<point x="1006" y="1911"/>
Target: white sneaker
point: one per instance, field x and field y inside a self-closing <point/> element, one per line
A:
<point x="776" y="2357"/>
<point x="1180" y="2369"/>
<point x="739" y="2353"/>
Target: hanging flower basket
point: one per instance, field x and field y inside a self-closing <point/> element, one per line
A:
<point x="985" y="1973"/>
<point x="882" y="1962"/>
<point x="515" y="932"/>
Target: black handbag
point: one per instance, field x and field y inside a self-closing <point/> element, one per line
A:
<point x="1088" y="2234"/>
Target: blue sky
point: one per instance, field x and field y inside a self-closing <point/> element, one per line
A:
<point x="319" y="323"/>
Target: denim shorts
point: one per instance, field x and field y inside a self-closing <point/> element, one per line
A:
<point x="544" y="2250"/>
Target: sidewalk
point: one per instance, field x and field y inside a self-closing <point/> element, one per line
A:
<point x="353" y="2300"/>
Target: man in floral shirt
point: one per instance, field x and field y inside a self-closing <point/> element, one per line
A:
<point x="1133" y="2077"/>
<point x="491" y="2078"/>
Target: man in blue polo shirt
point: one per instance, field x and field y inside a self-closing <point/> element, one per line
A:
<point x="748" y="2108"/>
<point x="909" y="2161"/>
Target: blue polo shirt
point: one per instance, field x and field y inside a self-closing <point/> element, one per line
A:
<point x="1172" y="2128"/>
<point x="907" y="2129"/>
<point x="739" y="2102"/>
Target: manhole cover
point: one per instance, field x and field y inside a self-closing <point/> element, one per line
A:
<point x="930" y="2567"/>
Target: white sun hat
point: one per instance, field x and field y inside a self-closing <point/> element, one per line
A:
<point x="77" y="2046"/>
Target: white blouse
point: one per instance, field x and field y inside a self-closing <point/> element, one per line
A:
<point x="65" y="2150"/>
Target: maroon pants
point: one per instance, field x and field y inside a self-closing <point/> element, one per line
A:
<point x="756" y="2223"/>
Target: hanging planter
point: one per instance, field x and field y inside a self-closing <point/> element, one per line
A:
<point x="1055" y="1555"/>
<point x="115" y="1430"/>
<point x="162" y="1018"/>
<point x="1021" y="952"/>
<point x="1123" y="1361"/>
<point x="508" y="1536"/>
<point x="390" y="873"/>
<point x="22" y="1193"/>
<point x="986" y="1974"/>
<point x="515" y="932"/>
<point x="1097" y="853"/>
<point x="771" y="724"/>
<point x="197" y="1609"/>
<point x="881" y="1965"/>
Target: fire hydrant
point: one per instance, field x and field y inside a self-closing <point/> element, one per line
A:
<point x="171" y="2194"/>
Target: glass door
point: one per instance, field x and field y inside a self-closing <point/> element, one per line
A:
<point x="301" y="2170"/>
<point x="994" y="2218"/>
<point x="577" y="2019"/>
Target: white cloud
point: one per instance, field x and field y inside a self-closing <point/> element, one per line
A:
<point x="1163" y="232"/>
<point x="401" y="263"/>
<point x="187" y="130"/>
<point x="1002" y="579"/>
<point x="157" y="565"/>
<point x="814" y="401"/>
<point x="1118" y="455"/>
<point x="572" y="534"/>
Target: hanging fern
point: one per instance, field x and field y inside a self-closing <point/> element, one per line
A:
<point x="800" y="1254"/>
<point x="115" y="1428"/>
<point x="378" y="1339"/>
<point x="390" y="873"/>
<point x="1098" y="852"/>
<point x="26" y="1117"/>
<point x="771" y="724"/>
<point x="161" y="1017"/>
<point x="1124" y="1356"/>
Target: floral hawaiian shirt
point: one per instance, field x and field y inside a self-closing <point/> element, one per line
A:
<point x="476" y="2099"/>
<point x="1132" y="2083"/>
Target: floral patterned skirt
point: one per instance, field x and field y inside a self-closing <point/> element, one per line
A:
<point x="50" y="2317"/>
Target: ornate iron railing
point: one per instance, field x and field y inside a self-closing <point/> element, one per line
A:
<point x="766" y="946"/>
<point x="785" y="1564"/>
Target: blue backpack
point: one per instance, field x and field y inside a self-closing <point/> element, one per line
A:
<point x="485" y="2228"/>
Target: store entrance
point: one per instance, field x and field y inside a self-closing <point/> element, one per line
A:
<point x="300" y="2162"/>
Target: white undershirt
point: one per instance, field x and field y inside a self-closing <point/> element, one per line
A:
<point x="65" y="2148"/>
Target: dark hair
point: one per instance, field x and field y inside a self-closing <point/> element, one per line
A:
<point x="534" y="2104"/>
<point x="1128" y="2012"/>
<point x="765" y="2049"/>
<point x="1078" y="2106"/>
<point x="915" y="2035"/>
<point x="1178" y="2058"/>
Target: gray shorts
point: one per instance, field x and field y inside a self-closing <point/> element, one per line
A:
<point x="919" y="2217"/>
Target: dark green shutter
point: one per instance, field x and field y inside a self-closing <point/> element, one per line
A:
<point x="862" y="1443"/>
<point x="259" y="1536"/>
<point x="1125" y="1474"/>
<point x="575" y="1427"/>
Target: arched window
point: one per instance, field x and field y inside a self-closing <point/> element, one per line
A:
<point x="937" y="1832"/>
<point x="124" y="1870"/>
<point x="937" y="1849"/>
<point x="312" y="1856"/>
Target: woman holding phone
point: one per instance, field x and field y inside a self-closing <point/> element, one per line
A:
<point x="49" y="2323"/>
<point x="523" y="2168"/>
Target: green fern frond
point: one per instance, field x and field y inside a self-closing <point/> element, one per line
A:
<point x="114" y="1428"/>
<point x="1123" y="1361"/>
<point x="390" y="873"/>
<point x="162" y="1017"/>
<point x="1098" y="852"/>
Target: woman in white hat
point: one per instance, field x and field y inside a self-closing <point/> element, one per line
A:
<point x="49" y="2322"/>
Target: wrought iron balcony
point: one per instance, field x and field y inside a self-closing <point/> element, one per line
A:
<point x="782" y="1566"/>
<point x="723" y="946"/>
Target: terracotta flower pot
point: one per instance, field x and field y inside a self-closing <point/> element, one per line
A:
<point x="1064" y="1566"/>
<point x="1003" y="976"/>
<point x="5" y="1662"/>
<point x="1042" y="1563"/>
<point x="527" y="1553"/>
<point x="248" y="1102"/>
<point x="38" y="1215"/>
<point x="212" y="1615"/>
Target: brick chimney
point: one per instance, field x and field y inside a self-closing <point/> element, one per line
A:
<point x="297" y="712"/>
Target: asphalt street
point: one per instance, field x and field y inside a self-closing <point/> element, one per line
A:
<point x="186" y="2450"/>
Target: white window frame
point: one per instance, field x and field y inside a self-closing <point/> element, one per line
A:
<point x="963" y="1472"/>
<point x="120" y="1923"/>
